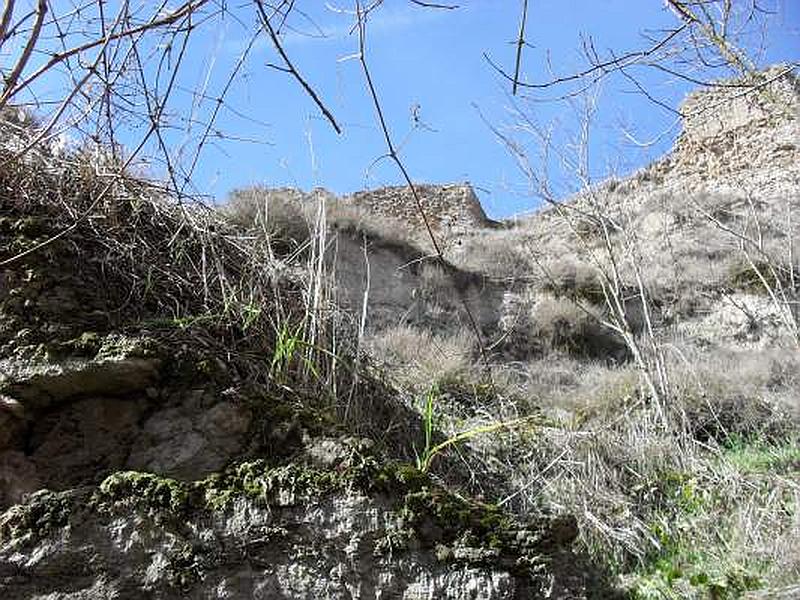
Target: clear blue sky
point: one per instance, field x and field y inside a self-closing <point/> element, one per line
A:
<point x="433" y="60"/>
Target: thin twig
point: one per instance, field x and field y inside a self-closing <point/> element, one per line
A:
<point x="520" y="44"/>
<point x="292" y="70"/>
<point x="5" y="21"/>
<point x="392" y="154"/>
<point x="154" y="126"/>
<point x="33" y="38"/>
<point x="187" y="8"/>
<point x="604" y="67"/>
<point x="726" y="49"/>
<point x="435" y="5"/>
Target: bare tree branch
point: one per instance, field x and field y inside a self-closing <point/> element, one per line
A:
<point x="728" y="52"/>
<point x="435" y="5"/>
<point x="603" y="68"/>
<point x="393" y="155"/>
<point x="520" y="45"/>
<point x="5" y="20"/>
<point x="291" y="69"/>
<point x="33" y="38"/>
<point x="187" y="8"/>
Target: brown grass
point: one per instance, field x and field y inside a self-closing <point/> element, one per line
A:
<point x="419" y="359"/>
<point x="283" y="215"/>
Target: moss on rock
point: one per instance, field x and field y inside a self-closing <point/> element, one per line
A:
<point x="424" y="512"/>
<point x="44" y="512"/>
<point x="144" y="490"/>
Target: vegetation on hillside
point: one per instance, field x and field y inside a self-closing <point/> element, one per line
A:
<point x="643" y="377"/>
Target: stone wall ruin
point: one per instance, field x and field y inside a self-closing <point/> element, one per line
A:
<point x="449" y="208"/>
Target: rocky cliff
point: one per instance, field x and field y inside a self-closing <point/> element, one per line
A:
<point x="171" y="425"/>
<point x="188" y="407"/>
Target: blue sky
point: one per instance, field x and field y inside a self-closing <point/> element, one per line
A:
<point x="429" y="63"/>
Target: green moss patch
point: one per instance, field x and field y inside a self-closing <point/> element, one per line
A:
<point x="286" y="485"/>
<point x="44" y="513"/>
<point x="465" y="530"/>
<point x="426" y="515"/>
<point x="144" y="491"/>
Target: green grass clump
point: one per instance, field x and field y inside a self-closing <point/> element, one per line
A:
<point x="717" y="527"/>
<point x="762" y="457"/>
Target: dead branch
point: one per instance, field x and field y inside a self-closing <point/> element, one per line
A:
<point x="435" y="5"/>
<point x="520" y="44"/>
<point x="186" y="9"/>
<point x="33" y="38"/>
<point x="393" y="155"/>
<point x="5" y="20"/>
<point x="603" y="68"/>
<point x="290" y="68"/>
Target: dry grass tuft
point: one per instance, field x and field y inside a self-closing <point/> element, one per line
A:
<point x="496" y="254"/>
<point x="573" y="279"/>
<point x="279" y="214"/>
<point x="362" y="223"/>
<point x="419" y="359"/>
<point x="562" y="325"/>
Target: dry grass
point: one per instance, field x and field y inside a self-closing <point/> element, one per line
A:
<point x="573" y="279"/>
<point x="361" y="223"/>
<point x="738" y="394"/>
<point x="562" y="325"/>
<point x="282" y="215"/>
<point x="706" y="508"/>
<point x="689" y="247"/>
<point x="681" y="512"/>
<point x="419" y="359"/>
<point x="287" y="216"/>
<point x="702" y="502"/>
<point x="492" y="253"/>
<point x="133" y="258"/>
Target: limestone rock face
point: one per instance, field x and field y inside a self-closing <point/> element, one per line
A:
<point x="355" y="530"/>
<point x="72" y="421"/>
<point x="148" y="449"/>
<point x="739" y="142"/>
<point x="399" y="284"/>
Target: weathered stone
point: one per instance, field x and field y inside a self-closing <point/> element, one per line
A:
<point x="18" y="477"/>
<point x="184" y="442"/>
<point x="286" y="533"/>
<point x="39" y="384"/>
<point x="448" y="208"/>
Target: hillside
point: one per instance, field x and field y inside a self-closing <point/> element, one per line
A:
<point x="286" y="396"/>
<point x="185" y="412"/>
